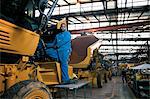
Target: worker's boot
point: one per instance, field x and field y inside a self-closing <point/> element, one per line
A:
<point x="69" y="82"/>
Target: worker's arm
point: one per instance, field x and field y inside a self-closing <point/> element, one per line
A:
<point x="51" y="44"/>
<point x="63" y="39"/>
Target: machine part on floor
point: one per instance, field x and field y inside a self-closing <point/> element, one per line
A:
<point x="28" y="89"/>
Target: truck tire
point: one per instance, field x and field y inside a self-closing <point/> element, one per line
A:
<point x="28" y="89"/>
<point x="99" y="81"/>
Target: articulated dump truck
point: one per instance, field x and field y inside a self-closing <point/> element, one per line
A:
<point x="20" y="31"/>
<point x="87" y="64"/>
<point x="21" y="76"/>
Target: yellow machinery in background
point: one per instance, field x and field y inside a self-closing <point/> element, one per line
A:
<point x="87" y="65"/>
<point x="126" y="65"/>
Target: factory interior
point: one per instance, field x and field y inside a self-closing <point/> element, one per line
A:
<point x="75" y="49"/>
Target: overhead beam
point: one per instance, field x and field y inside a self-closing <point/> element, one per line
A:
<point x="124" y="13"/>
<point x="115" y="20"/>
<point x="70" y="21"/>
<point x="81" y="2"/>
<point x="127" y="39"/>
<point x="101" y="12"/>
<point x="114" y="27"/>
<point x="123" y="45"/>
<point x="127" y="53"/>
<point x="124" y="31"/>
<point x="96" y="18"/>
<point x="85" y="18"/>
<point x="109" y="49"/>
<point x="140" y="14"/>
<point x="77" y="19"/>
<point x="67" y="2"/>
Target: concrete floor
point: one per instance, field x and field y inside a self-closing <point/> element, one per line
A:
<point x="114" y="89"/>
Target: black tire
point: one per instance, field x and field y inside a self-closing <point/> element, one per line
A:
<point x="28" y="90"/>
<point x="99" y="81"/>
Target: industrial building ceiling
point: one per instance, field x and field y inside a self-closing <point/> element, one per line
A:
<point x="123" y="25"/>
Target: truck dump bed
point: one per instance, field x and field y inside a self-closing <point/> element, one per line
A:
<point x="81" y="53"/>
<point x="17" y="40"/>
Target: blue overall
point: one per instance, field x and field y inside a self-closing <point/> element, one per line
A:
<point x="63" y="43"/>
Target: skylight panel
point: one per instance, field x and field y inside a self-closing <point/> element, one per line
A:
<point x="74" y="20"/>
<point x="56" y="11"/>
<point x="87" y="25"/>
<point x="92" y="18"/>
<point x="113" y="23"/>
<point x="94" y="25"/>
<point x="129" y="4"/>
<point x="139" y="2"/>
<point x="146" y="13"/>
<point x="97" y="6"/>
<point x="84" y="0"/>
<point x="50" y="2"/>
<point x="82" y="19"/>
<point x="121" y="3"/>
<point x="64" y="9"/>
<point x="104" y="24"/>
<point x="61" y="2"/>
<point x="74" y="8"/>
<point x="111" y="5"/>
<point x="134" y="14"/>
<point x="79" y="26"/>
<point x="72" y="1"/>
<point x="37" y="13"/>
<point x="71" y="27"/>
<point x="70" y="22"/>
<point x="86" y="7"/>
<point x="103" y="18"/>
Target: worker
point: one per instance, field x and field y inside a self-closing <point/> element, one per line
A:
<point x="123" y="74"/>
<point x="60" y="49"/>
